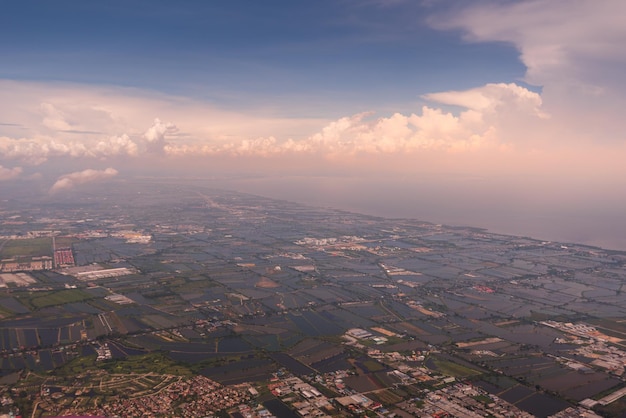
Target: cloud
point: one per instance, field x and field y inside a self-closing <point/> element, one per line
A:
<point x="485" y="121"/>
<point x="110" y="128"/>
<point x="51" y="120"/>
<point x="35" y="151"/>
<point x="86" y="122"/>
<point x="69" y="181"/>
<point x="117" y="145"/>
<point x="9" y="173"/>
<point x="54" y="118"/>
<point x="492" y="97"/>
<point x="574" y="49"/>
<point x="556" y="38"/>
<point x="118" y="125"/>
<point x="158" y="131"/>
<point x="155" y="136"/>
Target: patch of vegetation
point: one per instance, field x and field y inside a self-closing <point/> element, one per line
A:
<point x="156" y="362"/>
<point x="75" y="367"/>
<point x="373" y="366"/>
<point x="608" y="391"/>
<point x="65" y="242"/>
<point x="194" y="286"/>
<point x="33" y="247"/>
<point x="414" y="390"/>
<point x="613" y="410"/>
<point x="386" y="397"/>
<point x="269" y="342"/>
<point x="451" y="368"/>
<point x="324" y="390"/>
<point x="5" y="312"/>
<point x="617" y="327"/>
<point x="54" y="298"/>
<point x="500" y="381"/>
<point x="210" y="363"/>
<point x="483" y="399"/>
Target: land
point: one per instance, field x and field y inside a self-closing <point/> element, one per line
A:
<point x="147" y="298"/>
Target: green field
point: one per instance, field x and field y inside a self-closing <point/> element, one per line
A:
<point x="33" y="247"/>
<point x="453" y="369"/>
<point x="61" y="297"/>
<point x="373" y="366"/>
<point x="156" y="362"/>
<point x="65" y="242"/>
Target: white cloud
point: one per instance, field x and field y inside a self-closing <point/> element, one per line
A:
<point x="556" y="38"/>
<point x="492" y="98"/>
<point x="49" y="120"/>
<point x="35" y="151"/>
<point x="69" y="181"/>
<point x="54" y="118"/>
<point x="488" y="116"/>
<point x="574" y="49"/>
<point x="158" y="131"/>
<point x="9" y="173"/>
<point x="117" y="145"/>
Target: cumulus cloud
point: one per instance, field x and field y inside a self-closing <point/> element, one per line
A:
<point x="158" y="131"/>
<point x="156" y="136"/>
<point x="9" y="173"/>
<point x="493" y="98"/>
<point x="574" y="49"/>
<point x="50" y="120"/>
<point x="39" y="149"/>
<point x="556" y="38"/>
<point x="486" y="118"/>
<point x="35" y="151"/>
<point x="69" y="181"/>
<point x="117" y="145"/>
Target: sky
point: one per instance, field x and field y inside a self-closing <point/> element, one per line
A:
<point x="502" y="114"/>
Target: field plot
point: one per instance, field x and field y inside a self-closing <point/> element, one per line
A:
<point x="11" y="306"/>
<point x="60" y="297"/>
<point x="294" y="366"/>
<point x="242" y="370"/>
<point x="541" y="405"/>
<point x="32" y="247"/>
<point x="577" y="386"/>
<point x="16" y="279"/>
<point x="451" y="368"/>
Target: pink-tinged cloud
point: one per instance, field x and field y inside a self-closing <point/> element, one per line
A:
<point x="557" y="39"/>
<point x="116" y="145"/>
<point x="573" y="49"/>
<point x="35" y="151"/>
<point x="69" y="181"/>
<point x="488" y="117"/>
<point x="159" y="130"/>
<point x="9" y="173"/>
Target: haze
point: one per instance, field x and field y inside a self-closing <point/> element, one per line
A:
<point x="502" y="115"/>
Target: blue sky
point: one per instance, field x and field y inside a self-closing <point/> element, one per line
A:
<point x="513" y="106"/>
<point x="244" y="53"/>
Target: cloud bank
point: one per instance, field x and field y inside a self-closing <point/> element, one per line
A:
<point x="479" y="125"/>
<point x="69" y="181"/>
<point x="573" y="49"/>
<point x="485" y="119"/>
